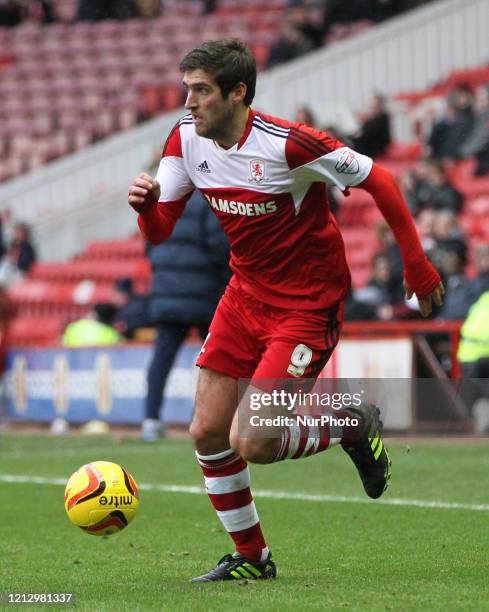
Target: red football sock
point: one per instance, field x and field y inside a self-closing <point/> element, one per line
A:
<point x="227" y="482"/>
<point x="302" y="439"/>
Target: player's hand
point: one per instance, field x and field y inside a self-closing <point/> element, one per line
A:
<point x="144" y="192"/>
<point x="426" y="303"/>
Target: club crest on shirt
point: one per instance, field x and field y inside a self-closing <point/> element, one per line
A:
<point x="257" y="171"/>
<point x="347" y="163"/>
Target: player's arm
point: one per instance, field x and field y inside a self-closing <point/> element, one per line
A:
<point x="314" y="156"/>
<point x="161" y="201"/>
<point x="420" y="277"/>
<point x="156" y="218"/>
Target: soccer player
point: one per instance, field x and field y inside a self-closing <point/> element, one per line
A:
<point x="280" y="317"/>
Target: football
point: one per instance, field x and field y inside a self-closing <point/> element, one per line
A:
<point x="101" y="498"/>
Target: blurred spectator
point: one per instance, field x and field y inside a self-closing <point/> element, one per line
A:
<point x="374" y="135"/>
<point x="3" y="246"/>
<point x="11" y="13"/>
<point x="425" y="223"/>
<point x="438" y="192"/>
<point x="291" y="43"/>
<point x="379" y="289"/>
<point x="7" y="311"/>
<point x="473" y="354"/>
<point x="94" y="10"/>
<point x="149" y="8"/>
<point x="7" y="225"/>
<point x="448" y="235"/>
<point x="20" y="255"/>
<point x="209" y="6"/>
<point x="308" y="19"/>
<point x="132" y="313"/>
<point x="456" y="301"/>
<point x="476" y="143"/>
<point x="390" y="248"/>
<point x="94" y="330"/>
<point x="356" y="310"/>
<point x="389" y="289"/>
<point x="189" y="274"/>
<point x="448" y="134"/>
<point x="304" y="115"/>
<point x="339" y="11"/>
<point x="478" y="136"/>
<point x="384" y="293"/>
<point x="482" y="158"/>
<point x="335" y="132"/>
<point x="40" y="11"/>
<point x="408" y="183"/>
<point x="429" y="187"/>
<point x="21" y="250"/>
<point x="480" y="283"/>
<point x="384" y="9"/>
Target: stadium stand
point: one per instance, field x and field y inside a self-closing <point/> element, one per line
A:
<point x="357" y="212"/>
<point x="57" y="293"/>
<point x="66" y="85"/>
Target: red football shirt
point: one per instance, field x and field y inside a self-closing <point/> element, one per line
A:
<point x="269" y="193"/>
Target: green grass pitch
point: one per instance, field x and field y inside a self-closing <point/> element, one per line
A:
<point x="332" y="553"/>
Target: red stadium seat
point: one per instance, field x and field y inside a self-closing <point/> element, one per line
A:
<point x="477" y="186"/>
<point x="150" y="100"/>
<point x="107" y="58"/>
<point x="397" y="167"/>
<point x="403" y="151"/>
<point x="358" y="258"/>
<point x="108" y="271"/>
<point x="115" y="249"/>
<point x="355" y="209"/>
<point x="360" y="275"/>
<point x="478" y="206"/>
<point x="359" y="238"/>
<point x="171" y="95"/>
<point x="28" y="331"/>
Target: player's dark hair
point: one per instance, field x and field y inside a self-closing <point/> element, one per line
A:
<point x="229" y="61"/>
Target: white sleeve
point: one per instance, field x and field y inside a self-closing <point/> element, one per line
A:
<point x="342" y="167"/>
<point x="173" y="178"/>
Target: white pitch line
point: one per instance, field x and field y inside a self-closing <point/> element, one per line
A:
<point x="390" y="501"/>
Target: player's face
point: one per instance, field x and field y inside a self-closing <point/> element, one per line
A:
<point x="211" y="113"/>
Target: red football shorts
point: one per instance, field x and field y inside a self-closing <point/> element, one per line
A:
<point x="250" y="339"/>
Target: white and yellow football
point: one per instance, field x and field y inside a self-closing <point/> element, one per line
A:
<point x="101" y="498"/>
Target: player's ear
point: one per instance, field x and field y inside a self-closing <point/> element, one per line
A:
<point x="238" y="93"/>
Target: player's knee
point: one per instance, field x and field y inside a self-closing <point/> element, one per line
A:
<point x="235" y="442"/>
<point x="252" y="450"/>
<point x="206" y="433"/>
<point x="199" y="430"/>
